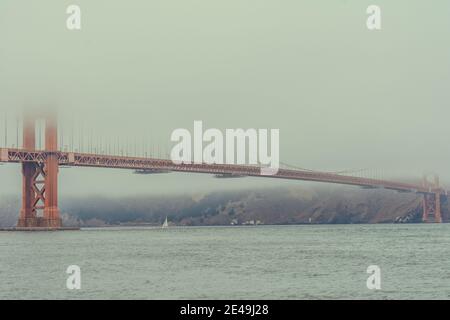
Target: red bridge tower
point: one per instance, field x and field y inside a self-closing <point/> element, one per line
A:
<point x="431" y="200"/>
<point x="40" y="179"/>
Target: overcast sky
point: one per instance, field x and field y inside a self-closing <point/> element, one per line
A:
<point x="342" y="96"/>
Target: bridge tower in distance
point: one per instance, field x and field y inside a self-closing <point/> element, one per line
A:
<point x="432" y="199"/>
<point x="40" y="178"/>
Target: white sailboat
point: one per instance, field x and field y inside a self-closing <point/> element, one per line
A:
<point x="165" y="224"/>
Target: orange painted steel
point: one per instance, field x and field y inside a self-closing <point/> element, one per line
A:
<point x="52" y="159"/>
<point x="40" y="179"/>
<point x="40" y="175"/>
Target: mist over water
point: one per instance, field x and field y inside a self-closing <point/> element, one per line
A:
<point x="270" y="262"/>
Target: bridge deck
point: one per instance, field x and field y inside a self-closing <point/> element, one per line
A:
<point x="138" y="163"/>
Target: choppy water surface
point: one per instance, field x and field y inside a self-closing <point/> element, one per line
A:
<point x="281" y="262"/>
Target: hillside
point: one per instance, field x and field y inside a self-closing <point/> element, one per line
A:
<point x="271" y="206"/>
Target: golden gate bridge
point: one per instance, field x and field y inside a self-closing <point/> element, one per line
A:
<point x="40" y="152"/>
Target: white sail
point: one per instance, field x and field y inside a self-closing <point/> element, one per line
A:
<point x="165" y="224"/>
